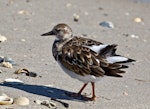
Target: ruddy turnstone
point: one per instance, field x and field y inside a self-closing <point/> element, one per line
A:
<point x="85" y="59"/>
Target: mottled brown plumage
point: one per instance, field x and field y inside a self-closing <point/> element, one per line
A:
<point x="85" y="59"/>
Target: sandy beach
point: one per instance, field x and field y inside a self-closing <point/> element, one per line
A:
<point x="23" y="21"/>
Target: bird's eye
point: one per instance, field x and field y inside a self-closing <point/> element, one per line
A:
<point x="58" y="30"/>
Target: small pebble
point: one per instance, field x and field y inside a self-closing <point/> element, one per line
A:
<point x="31" y="74"/>
<point x="107" y="24"/>
<point x="2" y="38"/>
<point x="100" y="8"/>
<point x="0" y="71"/>
<point x="23" y="12"/>
<point x="76" y="17"/>
<point x="86" y="13"/>
<point x="144" y="40"/>
<point x="23" y="40"/>
<point x="10" y="2"/>
<point x="1" y="59"/>
<point x="127" y="14"/>
<point x="134" y="36"/>
<point x="68" y="5"/>
<point x="8" y="59"/>
<point x="27" y="0"/>
<point x="125" y="34"/>
<point x="138" y="20"/>
<point x="22" y="101"/>
<point x="125" y="93"/>
<point x="7" y="65"/>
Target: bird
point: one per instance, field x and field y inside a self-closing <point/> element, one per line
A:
<point x="85" y="59"/>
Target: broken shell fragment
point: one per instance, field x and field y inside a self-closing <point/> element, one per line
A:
<point x="5" y="100"/>
<point x="13" y="81"/>
<point x="37" y="101"/>
<point x="21" y="101"/>
<point x="47" y="103"/>
<point x="2" y="38"/>
<point x="7" y="64"/>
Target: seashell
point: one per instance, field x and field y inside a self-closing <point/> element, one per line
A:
<point x="2" y="38"/>
<point x="107" y="24"/>
<point x="5" y="100"/>
<point x="7" y="64"/>
<point x="76" y="17"/>
<point x="13" y="81"/>
<point x="26" y="71"/>
<point x="21" y="101"/>
<point x="21" y="70"/>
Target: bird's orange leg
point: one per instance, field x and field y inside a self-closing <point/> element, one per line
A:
<point x="80" y="91"/>
<point x="93" y="92"/>
<point x="82" y="88"/>
<point x="93" y="98"/>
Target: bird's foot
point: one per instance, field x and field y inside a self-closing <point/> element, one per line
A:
<point x="89" y="98"/>
<point x="73" y="94"/>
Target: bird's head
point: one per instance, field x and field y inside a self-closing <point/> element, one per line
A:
<point x="61" y="31"/>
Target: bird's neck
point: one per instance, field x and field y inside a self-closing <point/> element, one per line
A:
<point x="57" y="46"/>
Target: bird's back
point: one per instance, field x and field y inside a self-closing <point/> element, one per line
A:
<point x="88" y="57"/>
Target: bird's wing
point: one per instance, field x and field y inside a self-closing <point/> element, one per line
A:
<point x="82" y="60"/>
<point x="88" y="57"/>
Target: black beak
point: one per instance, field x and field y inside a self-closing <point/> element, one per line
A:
<point x="48" y="33"/>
